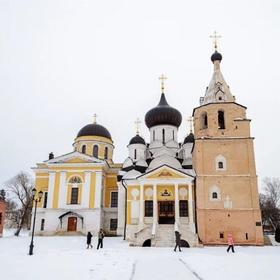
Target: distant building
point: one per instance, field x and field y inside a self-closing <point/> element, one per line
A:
<point x="204" y="186"/>
<point x="2" y="215"/>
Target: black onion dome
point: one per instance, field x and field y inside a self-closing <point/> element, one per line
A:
<point x="216" y="56"/>
<point x="163" y="114"/>
<point x="94" y="129"/>
<point x="137" y="140"/>
<point x="189" y="138"/>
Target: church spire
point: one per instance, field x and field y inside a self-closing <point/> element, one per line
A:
<point x="218" y="90"/>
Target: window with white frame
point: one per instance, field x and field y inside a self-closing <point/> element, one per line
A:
<point x="214" y="193"/>
<point x="220" y="162"/>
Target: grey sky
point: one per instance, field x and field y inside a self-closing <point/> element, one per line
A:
<point x="63" y="61"/>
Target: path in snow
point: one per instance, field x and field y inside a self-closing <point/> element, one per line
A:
<point x="163" y="268"/>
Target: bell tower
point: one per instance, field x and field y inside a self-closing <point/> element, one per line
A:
<point x="227" y="199"/>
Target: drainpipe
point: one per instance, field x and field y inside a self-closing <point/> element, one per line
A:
<point x="125" y="207"/>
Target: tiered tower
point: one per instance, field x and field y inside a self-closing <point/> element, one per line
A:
<point x="227" y="198"/>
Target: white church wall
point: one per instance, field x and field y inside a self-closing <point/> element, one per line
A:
<point x="156" y="133"/>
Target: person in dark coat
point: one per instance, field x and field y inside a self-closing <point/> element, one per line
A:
<point x="101" y="235"/>
<point x="89" y="236"/>
<point x="178" y="240"/>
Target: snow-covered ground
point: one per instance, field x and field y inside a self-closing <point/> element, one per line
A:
<point x="65" y="257"/>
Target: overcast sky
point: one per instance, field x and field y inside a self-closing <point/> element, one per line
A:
<point x="63" y="61"/>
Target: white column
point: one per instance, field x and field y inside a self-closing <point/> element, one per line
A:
<point x="98" y="190"/>
<point x="141" y="212"/>
<point x="155" y="205"/>
<point x="191" y="221"/>
<point x="177" y="210"/>
<point x="51" y="189"/>
<point x="62" y="197"/>
<point x="85" y="190"/>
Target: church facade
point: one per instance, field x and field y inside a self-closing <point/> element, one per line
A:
<point x="204" y="186"/>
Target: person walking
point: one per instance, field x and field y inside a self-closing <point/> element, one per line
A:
<point x="230" y="243"/>
<point x="101" y="235"/>
<point x="178" y="240"/>
<point x="89" y="236"/>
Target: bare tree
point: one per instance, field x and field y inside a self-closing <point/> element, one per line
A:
<point x="269" y="202"/>
<point x="272" y="190"/>
<point x="20" y="189"/>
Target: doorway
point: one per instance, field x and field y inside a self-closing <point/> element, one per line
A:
<point x="72" y="224"/>
<point x="166" y="212"/>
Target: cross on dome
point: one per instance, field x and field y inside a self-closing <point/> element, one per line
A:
<point x="137" y="125"/>
<point x="215" y="38"/>
<point x="190" y="120"/>
<point x="162" y="78"/>
<point x="94" y="118"/>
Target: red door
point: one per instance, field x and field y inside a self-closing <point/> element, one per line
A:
<point x="72" y="224"/>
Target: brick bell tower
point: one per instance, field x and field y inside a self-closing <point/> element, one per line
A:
<point x="227" y="199"/>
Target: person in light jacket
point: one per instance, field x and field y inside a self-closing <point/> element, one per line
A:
<point x="178" y="240"/>
<point x="230" y="243"/>
<point x="101" y="235"/>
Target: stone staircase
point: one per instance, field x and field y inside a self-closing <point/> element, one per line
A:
<point x="165" y="236"/>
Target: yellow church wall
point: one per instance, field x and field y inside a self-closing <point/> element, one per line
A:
<point x="146" y="197"/>
<point x="128" y="218"/>
<point x="92" y="190"/>
<point x="110" y="185"/>
<point x="161" y="189"/>
<point x="41" y="184"/>
<point x="56" y="190"/>
<point x="129" y="192"/>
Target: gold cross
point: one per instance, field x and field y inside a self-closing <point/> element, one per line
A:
<point x="162" y="78"/>
<point x="137" y="125"/>
<point x="94" y="118"/>
<point x="190" y="120"/>
<point x="215" y="38"/>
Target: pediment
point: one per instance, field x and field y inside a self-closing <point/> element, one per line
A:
<point x="72" y="158"/>
<point x="165" y="172"/>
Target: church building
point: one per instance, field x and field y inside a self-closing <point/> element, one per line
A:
<point x="204" y="186"/>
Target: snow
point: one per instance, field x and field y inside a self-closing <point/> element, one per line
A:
<point x="65" y="257"/>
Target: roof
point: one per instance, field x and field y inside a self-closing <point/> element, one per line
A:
<point x="163" y="113"/>
<point x="94" y="129"/>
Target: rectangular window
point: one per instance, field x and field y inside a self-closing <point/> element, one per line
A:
<point x="183" y="206"/>
<point x="74" y="195"/>
<point x="0" y="218"/>
<point x="45" y="200"/>
<point x="247" y="236"/>
<point x="114" y="199"/>
<point x="221" y="235"/>
<point x="42" y="224"/>
<point x="148" y="208"/>
<point x="113" y="224"/>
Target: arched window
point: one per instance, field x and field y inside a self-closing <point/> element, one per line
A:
<point x="214" y="195"/>
<point x="204" y="121"/>
<point x="221" y="120"/>
<point x="220" y="162"/>
<point x="74" y="186"/>
<point x="74" y="195"/>
<point x="163" y="135"/>
<point x="106" y="153"/>
<point x="84" y="149"/>
<point x="135" y="154"/>
<point x="95" y="151"/>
